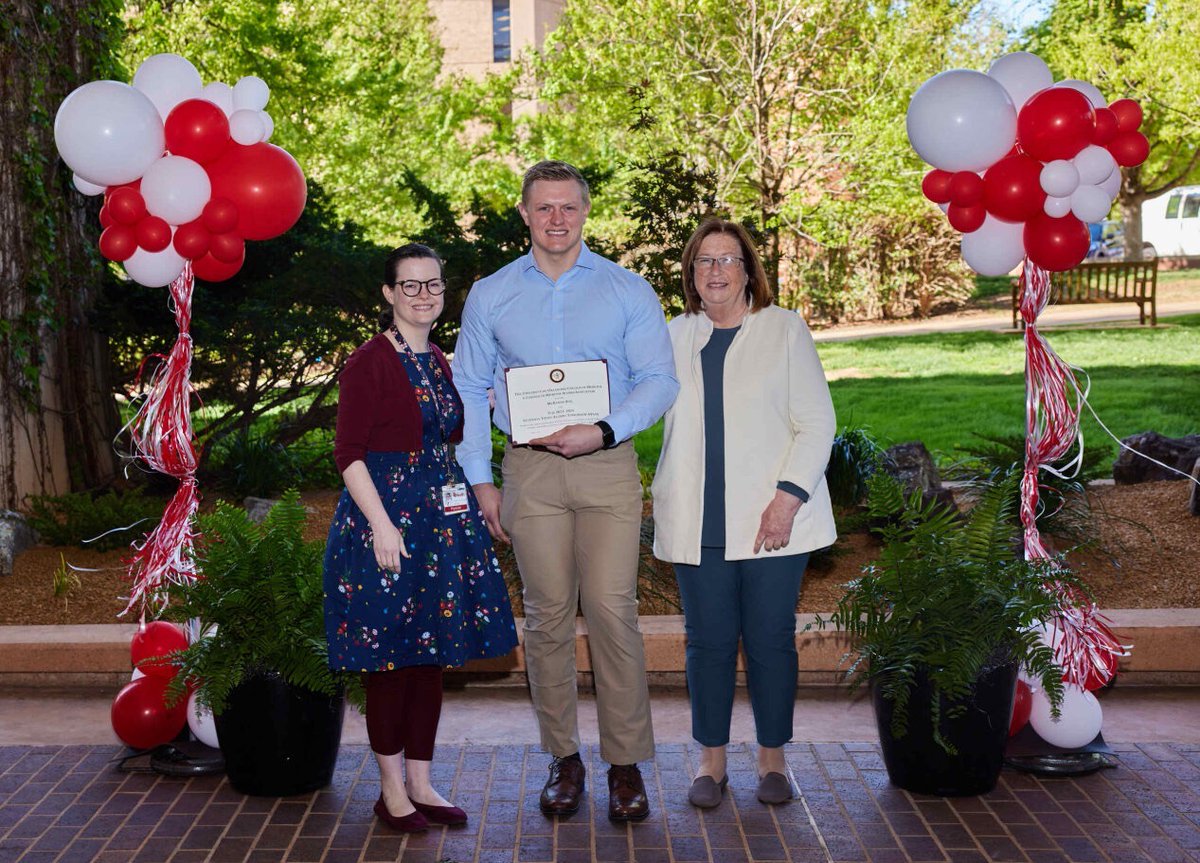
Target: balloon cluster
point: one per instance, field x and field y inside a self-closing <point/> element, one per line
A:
<point x="140" y="715"/>
<point x="185" y="169"/>
<point x="1022" y="163"/>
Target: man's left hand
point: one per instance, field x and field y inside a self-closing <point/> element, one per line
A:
<point x="572" y="441"/>
<point x="775" y="526"/>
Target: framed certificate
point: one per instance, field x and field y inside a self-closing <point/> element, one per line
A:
<point x="543" y="399"/>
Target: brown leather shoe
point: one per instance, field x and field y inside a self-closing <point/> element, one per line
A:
<point x="561" y="793"/>
<point x="627" y="799"/>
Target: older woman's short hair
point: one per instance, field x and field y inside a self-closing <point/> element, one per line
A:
<point x="758" y="293"/>
<point x="550" y="169"/>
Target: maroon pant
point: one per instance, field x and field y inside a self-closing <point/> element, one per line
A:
<point x="403" y="708"/>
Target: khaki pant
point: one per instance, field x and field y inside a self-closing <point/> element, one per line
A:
<point x="575" y="526"/>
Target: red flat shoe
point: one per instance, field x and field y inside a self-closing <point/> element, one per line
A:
<point x="451" y="816"/>
<point x="413" y="822"/>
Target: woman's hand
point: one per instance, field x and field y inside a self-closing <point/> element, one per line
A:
<point x="389" y="546"/>
<point x="775" y="525"/>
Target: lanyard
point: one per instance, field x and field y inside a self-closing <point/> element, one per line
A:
<point x="433" y="393"/>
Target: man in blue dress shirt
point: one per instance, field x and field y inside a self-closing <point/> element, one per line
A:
<point x="572" y="501"/>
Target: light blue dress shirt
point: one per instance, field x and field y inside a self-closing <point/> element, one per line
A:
<point x="596" y="310"/>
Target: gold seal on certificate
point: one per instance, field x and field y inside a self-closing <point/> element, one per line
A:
<point x="543" y="399"/>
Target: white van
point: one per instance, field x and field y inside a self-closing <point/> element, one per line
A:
<point x="1171" y="223"/>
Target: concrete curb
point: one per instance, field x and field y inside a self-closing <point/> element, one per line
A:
<point x="1163" y="653"/>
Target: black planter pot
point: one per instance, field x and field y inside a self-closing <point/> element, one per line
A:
<point x="917" y="763"/>
<point x="279" y="739"/>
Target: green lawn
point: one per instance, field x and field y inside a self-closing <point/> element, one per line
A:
<point x="942" y="388"/>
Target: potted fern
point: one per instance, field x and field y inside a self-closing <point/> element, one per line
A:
<point x="940" y="624"/>
<point x="262" y="666"/>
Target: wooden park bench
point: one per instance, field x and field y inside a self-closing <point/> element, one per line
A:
<point x="1103" y="282"/>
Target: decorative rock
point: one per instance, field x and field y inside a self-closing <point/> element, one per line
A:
<point x="912" y="464"/>
<point x="258" y="507"/>
<point x="1194" y="500"/>
<point x="1179" y="453"/>
<point x="15" y="536"/>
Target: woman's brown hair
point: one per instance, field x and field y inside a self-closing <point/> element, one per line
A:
<point x="758" y="293"/>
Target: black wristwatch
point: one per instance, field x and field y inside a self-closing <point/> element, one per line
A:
<point x="610" y="437"/>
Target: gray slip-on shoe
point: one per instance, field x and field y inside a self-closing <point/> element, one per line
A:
<point x="706" y="792"/>
<point x="774" y="788"/>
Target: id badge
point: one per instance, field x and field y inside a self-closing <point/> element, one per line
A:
<point x="454" y="498"/>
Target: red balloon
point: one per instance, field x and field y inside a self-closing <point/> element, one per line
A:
<point x="153" y="234"/>
<point x="191" y="240"/>
<point x="1056" y="244"/>
<point x="210" y="269"/>
<point x="157" y="638"/>
<point x="966" y="218"/>
<point x="227" y="248"/>
<point x="141" y="718"/>
<point x="106" y="218"/>
<point x="1130" y="149"/>
<point x="126" y="205"/>
<point x="936" y="186"/>
<point x="1022" y="707"/>
<point x="966" y="188"/>
<point x="220" y="216"/>
<point x="198" y="130"/>
<point x="118" y="242"/>
<point x="1056" y="123"/>
<point x="265" y="183"/>
<point x="1106" y="126"/>
<point x="1012" y="189"/>
<point x="1128" y="113"/>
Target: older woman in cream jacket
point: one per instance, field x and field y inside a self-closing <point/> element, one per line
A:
<point x="740" y="496"/>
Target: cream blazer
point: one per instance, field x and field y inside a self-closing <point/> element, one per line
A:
<point x="779" y="425"/>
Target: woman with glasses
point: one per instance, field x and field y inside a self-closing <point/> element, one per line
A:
<point x="411" y="582"/>
<point x="740" y="497"/>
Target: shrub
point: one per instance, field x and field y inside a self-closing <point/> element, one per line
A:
<point x="98" y="521"/>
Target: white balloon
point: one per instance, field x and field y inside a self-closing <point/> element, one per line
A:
<point x="200" y="721"/>
<point x="1059" y="178"/>
<point x="220" y="94"/>
<point x="1078" y="724"/>
<point x="86" y="188"/>
<point x="167" y="79"/>
<point x="246" y="126"/>
<point x="155" y="269"/>
<point x="251" y="94"/>
<point x="1090" y="204"/>
<point x="1022" y="74"/>
<point x="1090" y="90"/>
<point x="996" y="248"/>
<point x="1094" y="164"/>
<point x="961" y="120"/>
<point x="1112" y="184"/>
<point x="176" y="189"/>
<point x="1057" y="207"/>
<point x="108" y="133"/>
<point x="268" y="125"/>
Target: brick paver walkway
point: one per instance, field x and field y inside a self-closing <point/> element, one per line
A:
<point x="71" y="804"/>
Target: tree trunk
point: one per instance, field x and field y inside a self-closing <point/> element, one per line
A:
<point x="1131" y="196"/>
<point x="57" y="414"/>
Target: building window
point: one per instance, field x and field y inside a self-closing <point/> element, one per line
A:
<point x="501" y="32"/>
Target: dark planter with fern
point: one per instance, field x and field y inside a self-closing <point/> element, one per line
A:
<point x="940" y="623"/>
<point x="264" y="670"/>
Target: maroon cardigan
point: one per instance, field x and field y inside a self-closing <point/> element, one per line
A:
<point x="377" y="406"/>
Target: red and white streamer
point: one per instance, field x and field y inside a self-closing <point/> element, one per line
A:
<point x="1083" y="642"/>
<point x="162" y="437"/>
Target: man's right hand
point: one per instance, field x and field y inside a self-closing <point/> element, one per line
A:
<point x="489" y="503"/>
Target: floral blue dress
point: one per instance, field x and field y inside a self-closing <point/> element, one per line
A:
<point x="448" y="604"/>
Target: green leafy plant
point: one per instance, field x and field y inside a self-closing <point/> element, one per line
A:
<point x="253" y="463"/>
<point x="65" y="581"/>
<point x="949" y="598"/>
<point x="853" y="460"/>
<point x="261" y="585"/>
<point x="97" y="521"/>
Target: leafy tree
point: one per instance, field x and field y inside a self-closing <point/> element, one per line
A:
<point x="1146" y="51"/>
<point x="791" y="106"/>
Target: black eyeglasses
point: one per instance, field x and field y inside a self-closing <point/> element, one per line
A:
<point x="412" y="287"/>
